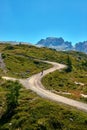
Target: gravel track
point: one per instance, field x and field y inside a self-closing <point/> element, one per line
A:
<point x="34" y="83"/>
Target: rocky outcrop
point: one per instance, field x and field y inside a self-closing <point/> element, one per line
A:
<point x="81" y="46"/>
<point x="61" y="45"/>
<point x="55" y="43"/>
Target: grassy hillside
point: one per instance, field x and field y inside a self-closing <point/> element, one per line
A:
<point x="73" y="82"/>
<point x="35" y="113"/>
<point x="20" y="62"/>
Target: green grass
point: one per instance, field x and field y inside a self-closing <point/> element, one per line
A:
<point x="20" y="63"/>
<point x="23" y="67"/>
<point x="35" y="113"/>
<point x="61" y="81"/>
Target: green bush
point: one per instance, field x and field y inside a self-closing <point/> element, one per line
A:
<point x="9" y="47"/>
<point x="3" y="55"/>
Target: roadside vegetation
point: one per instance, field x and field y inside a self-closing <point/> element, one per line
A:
<point x="21" y="62"/>
<point x="72" y="80"/>
<point x="31" y="112"/>
<point x="21" y="65"/>
<point x="34" y="113"/>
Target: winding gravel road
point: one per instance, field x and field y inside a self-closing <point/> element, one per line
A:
<point x="34" y="83"/>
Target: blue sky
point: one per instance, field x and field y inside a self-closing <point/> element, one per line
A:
<point x="32" y="20"/>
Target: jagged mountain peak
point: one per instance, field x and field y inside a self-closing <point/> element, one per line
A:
<point x="56" y="43"/>
<point x="61" y="45"/>
<point x="81" y="46"/>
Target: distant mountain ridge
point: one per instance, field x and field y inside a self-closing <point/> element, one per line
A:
<point x="81" y="46"/>
<point x="14" y="42"/>
<point x="61" y="45"/>
<point x="55" y="43"/>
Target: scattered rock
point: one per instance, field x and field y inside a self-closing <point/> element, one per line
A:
<point x="79" y="83"/>
<point x="83" y="95"/>
<point x="60" y="92"/>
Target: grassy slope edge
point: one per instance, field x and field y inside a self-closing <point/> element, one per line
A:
<point x="35" y="113"/>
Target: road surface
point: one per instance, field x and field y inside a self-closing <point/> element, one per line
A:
<point x="34" y="83"/>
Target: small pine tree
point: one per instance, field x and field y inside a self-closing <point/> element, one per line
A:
<point x="20" y="43"/>
<point x="69" y="64"/>
<point x="12" y="96"/>
<point x="11" y="100"/>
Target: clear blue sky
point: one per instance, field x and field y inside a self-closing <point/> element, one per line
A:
<point x="31" y="20"/>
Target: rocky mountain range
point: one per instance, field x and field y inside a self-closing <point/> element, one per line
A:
<point x="61" y="45"/>
<point x="81" y="46"/>
<point x="55" y="43"/>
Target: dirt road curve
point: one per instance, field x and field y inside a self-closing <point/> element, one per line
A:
<point x="34" y="83"/>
